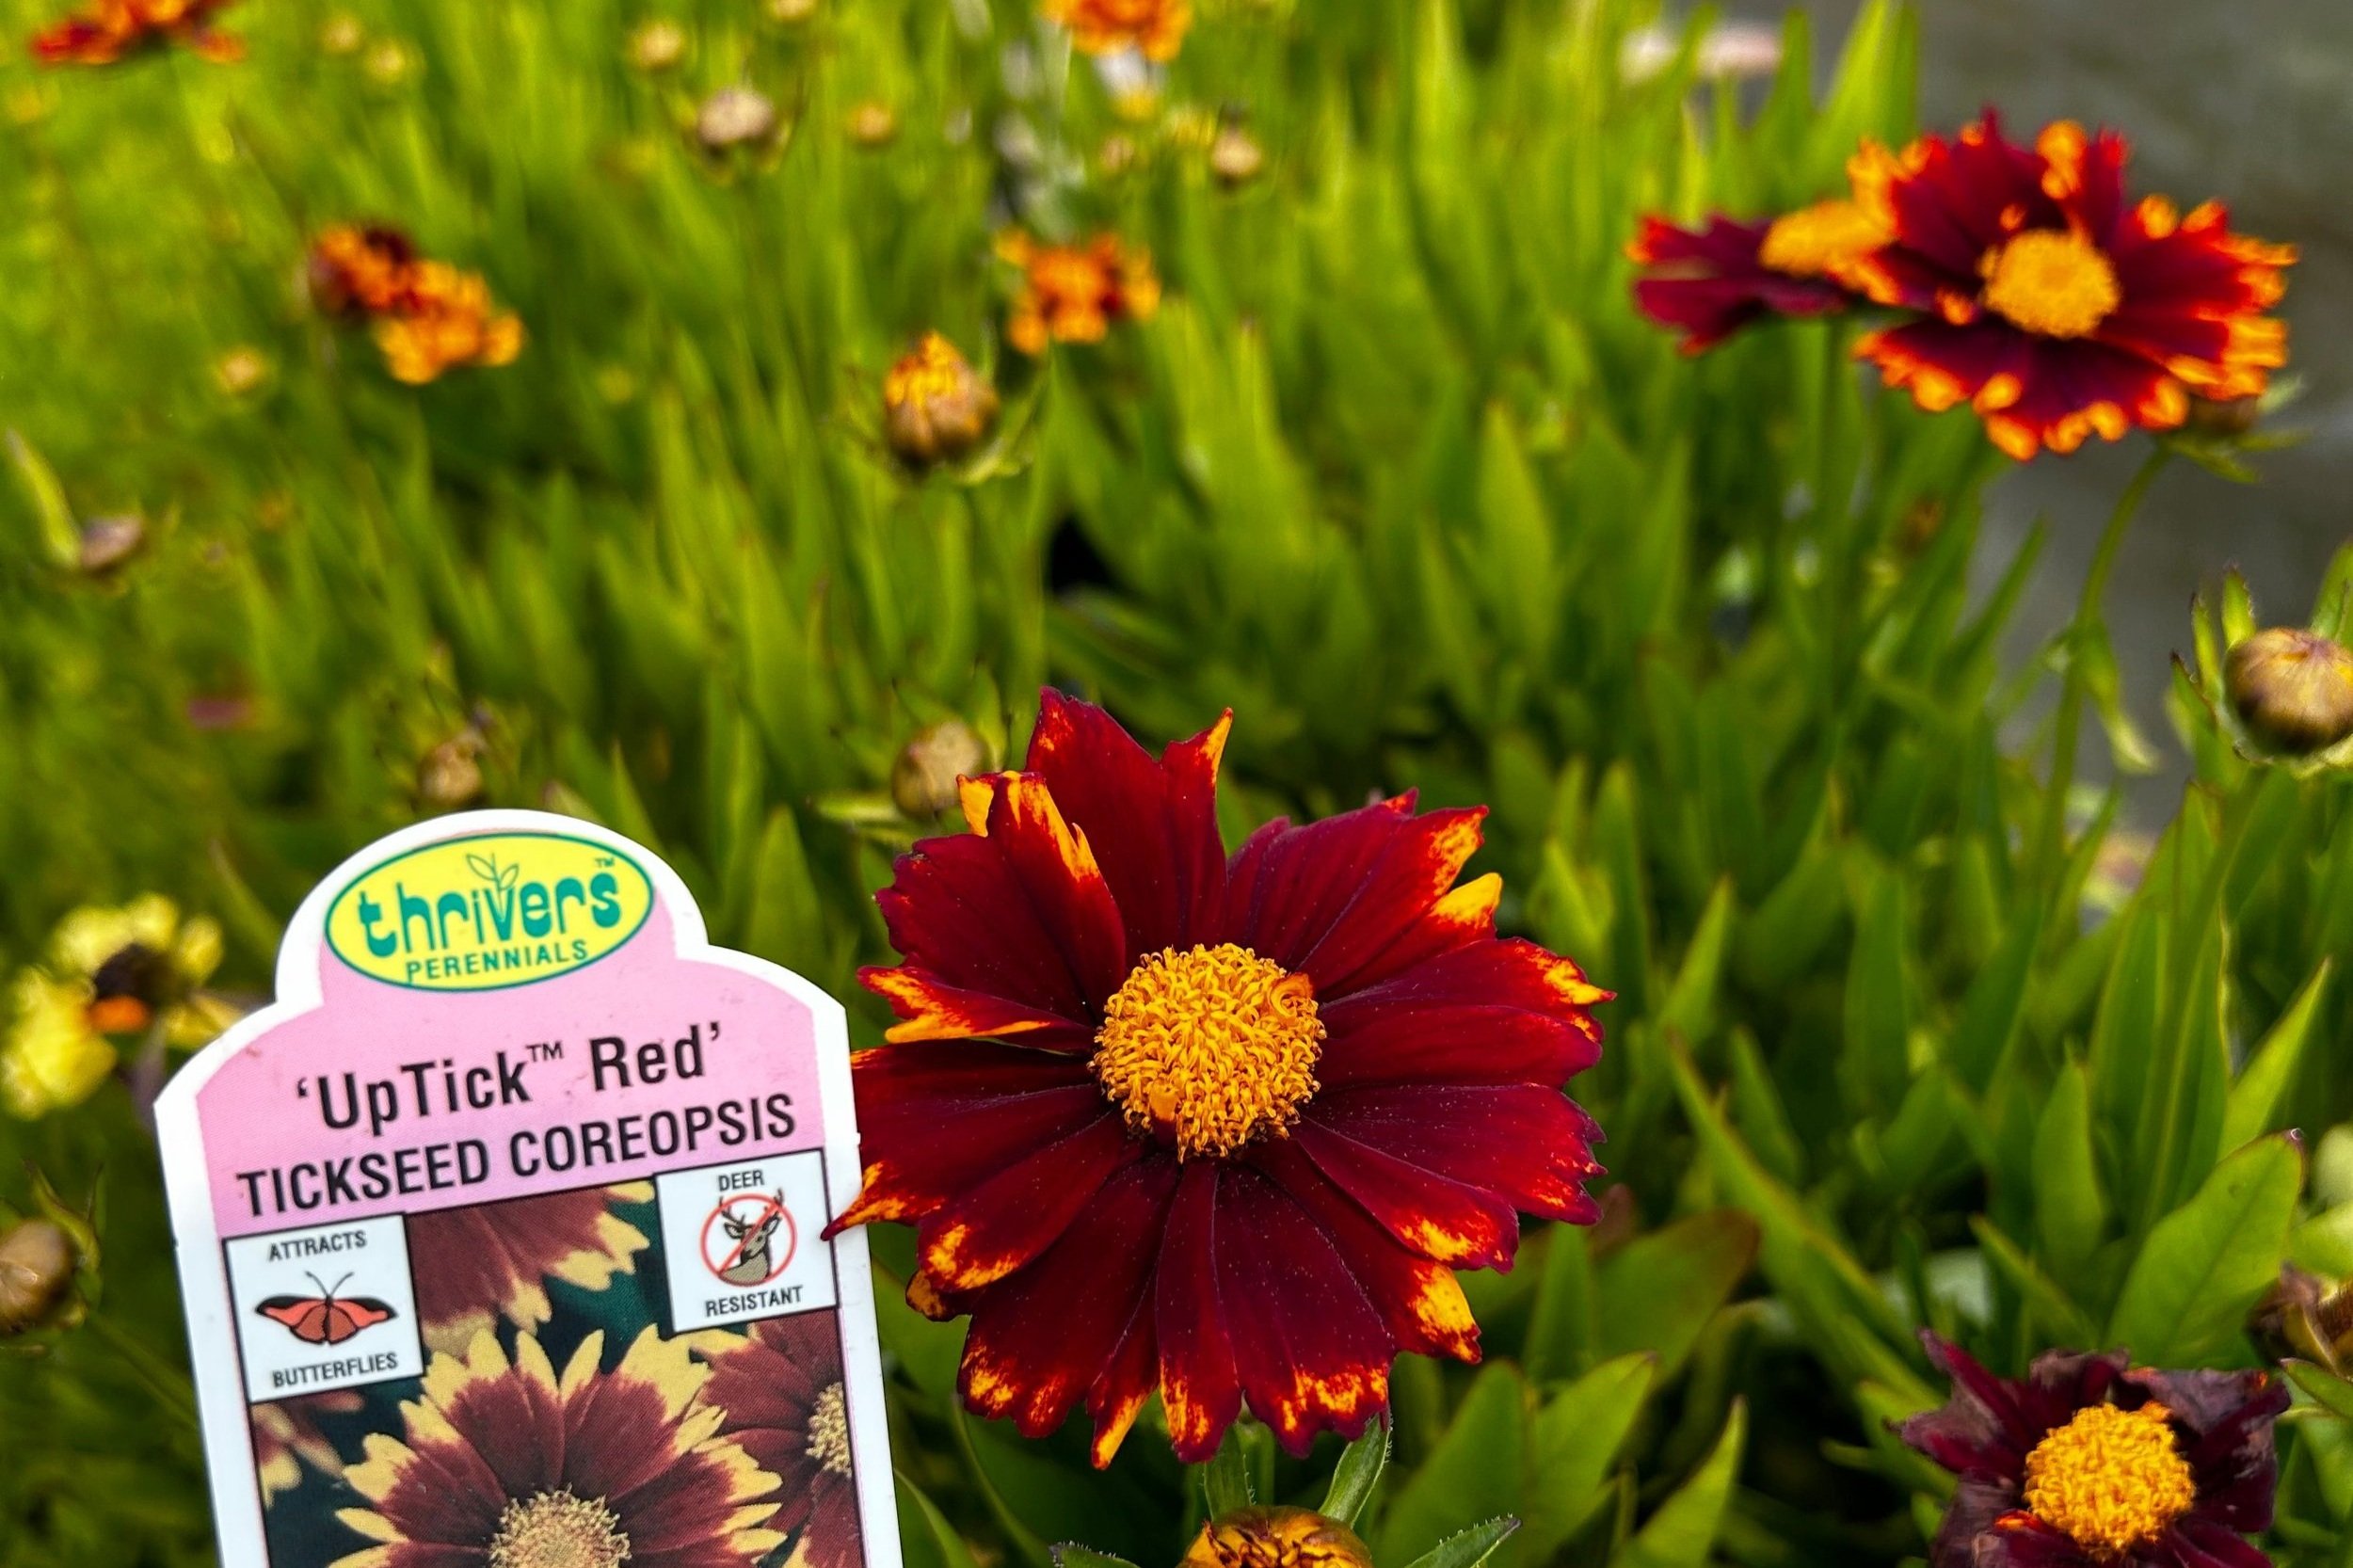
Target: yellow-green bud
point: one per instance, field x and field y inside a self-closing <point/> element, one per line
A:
<point x="2293" y="688"/>
<point x="923" y="779"/>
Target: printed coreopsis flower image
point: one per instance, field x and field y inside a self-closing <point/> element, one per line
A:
<point x="1154" y="28"/>
<point x="2090" y="1461"/>
<point x="503" y="1462"/>
<point x="1709" y="283"/>
<point x="1074" y="292"/>
<point x="1223" y="1127"/>
<point x="2054" y="304"/>
<point x="780" y="1384"/>
<point x="286" y="1438"/>
<point x="108" y="30"/>
<point x="113" y="976"/>
<point x="487" y="1262"/>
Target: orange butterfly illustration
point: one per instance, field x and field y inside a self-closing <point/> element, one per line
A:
<point x="326" y="1318"/>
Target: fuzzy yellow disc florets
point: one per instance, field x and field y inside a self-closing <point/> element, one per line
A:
<point x="1814" y="241"/>
<point x="556" y="1530"/>
<point x="1211" y="1048"/>
<point x="2052" y="281"/>
<point x="2110" y="1478"/>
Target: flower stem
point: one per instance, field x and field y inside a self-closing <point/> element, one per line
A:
<point x="2050" y="841"/>
<point x="166" y="1382"/>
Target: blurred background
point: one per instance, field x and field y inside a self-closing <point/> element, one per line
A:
<point x="2247" y="102"/>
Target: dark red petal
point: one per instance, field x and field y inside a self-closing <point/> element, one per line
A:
<point x="1200" y="1387"/>
<point x="1328" y="899"/>
<point x="1969" y="1518"/>
<point x="2199" y="1542"/>
<point x="936" y="1118"/>
<point x="1047" y="1335"/>
<point x="985" y="1234"/>
<point x="1441" y="1219"/>
<point x="1310" y="1350"/>
<point x="1487" y="1011"/>
<point x="2086" y="177"/>
<point x="1152" y="822"/>
<point x="1725" y="245"/>
<point x="1526" y="1145"/>
<point x="1056" y="866"/>
<point x="1420" y="1301"/>
<point x="1126" y="1382"/>
<point x="2019" y="1540"/>
<point x="934" y="1010"/>
<point x="2230" y="1418"/>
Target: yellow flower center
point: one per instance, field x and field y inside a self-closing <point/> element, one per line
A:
<point x="555" y="1529"/>
<point x="1812" y="241"/>
<point x="829" y="1431"/>
<point x="1211" y="1047"/>
<point x="2110" y="1478"/>
<point x="2052" y="281"/>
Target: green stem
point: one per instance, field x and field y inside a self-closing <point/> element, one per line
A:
<point x="2050" y="842"/>
<point x="166" y="1382"/>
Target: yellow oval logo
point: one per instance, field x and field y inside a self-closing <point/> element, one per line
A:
<point x="483" y="913"/>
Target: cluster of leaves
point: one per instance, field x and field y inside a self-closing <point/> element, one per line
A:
<point x="1904" y="1037"/>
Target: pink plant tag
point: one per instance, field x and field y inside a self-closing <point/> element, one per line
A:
<point x="501" y="1230"/>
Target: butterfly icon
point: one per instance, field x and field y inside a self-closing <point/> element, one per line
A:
<point x="326" y="1318"/>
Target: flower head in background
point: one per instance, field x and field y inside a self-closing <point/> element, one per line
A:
<point x="286" y="1437"/>
<point x="935" y="406"/>
<point x="446" y="321"/>
<point x="111" y="975"/>
<point x="108" y="31"/>
<point x="2089" y="1462"/>
<point x="1221" y="1128"/>
<point x="359" y="269"/>
<point x="2292" y="690"/>
<point x="505" y="1462"/>
<point x="2053" y="306"/>
<point x="780" y="1385"/>
<point x="1711" y="281"/>
<point x="492" y="1261"/>
<point x="1154" y="28"/>
<point x="1072" y="294"/>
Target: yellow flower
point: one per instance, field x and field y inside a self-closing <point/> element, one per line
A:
<point x="111" y="973"/>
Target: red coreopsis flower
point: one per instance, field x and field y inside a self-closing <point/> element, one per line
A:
<point x="2091" y="1463"/>
<point x="1220" y="1126"/>
<point x="1157" y="27"/>
<point x="2056" y="307"/>
<point x="1072" y="294"/>
<point x="109" y="29"/>
<point x="478" y="1264"/>
<point x="505" y="1462"/>
<point x="1711" y="281"/>
<point x="781" y="1388"/>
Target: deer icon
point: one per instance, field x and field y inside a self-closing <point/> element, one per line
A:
<point x="752" y="1238"/>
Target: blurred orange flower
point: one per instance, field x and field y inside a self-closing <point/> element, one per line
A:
<point x="1157" y="27"/>
<point x="446" y="320"/>
<point x="109" y="29"/>
<point x="1072" y="294"/>
<point x="358" y="270"/>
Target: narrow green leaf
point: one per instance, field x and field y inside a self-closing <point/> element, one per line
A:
<point x="1357" y="1475"/>
<point x="1225" y="1478"/>
<point x="1683" y="1531"/>
<point x="1473" y="1470"/>
<point x="60" y="540"/>
<point x="1657" y="1292"/>
<point x="2187" y="1294"/>
<point x="1572" y="1447"/>
<point x="2333" y="1393"/>
<point x="2255" y="1098"/>
<point x="2071" y="1213"/>
<point x="1468" y="1548"/>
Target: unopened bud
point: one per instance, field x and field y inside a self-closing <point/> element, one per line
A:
<point x="923" y="779"/>
<point x="2226" y="418"/>
<point x="450" y="776"/>
<point x="1236" y="157"/>
<point x="108" y="543"/>
<point x="241" y="369"/>
<point x="935" y="406"/>
<point x="36" y="1271"/>
<point x="872" y="123"/>
<point x="792" y="11"/>
<point x="1276" y="1538"/>
<point x="657" y="46"/>
<point x="2293" y="688"/>
<point x="735" y="116"/>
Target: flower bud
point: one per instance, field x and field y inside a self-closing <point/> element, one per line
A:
<point x="341" y="33"/>
<point x="36" y="1271"/>
<point x="735" y="116"/>
<point x="872" y="123"/>
<point x="451" y="774"/>
<point x="792" y="11"/>
<point x="2227" y="418"/>
<point x="1236" y="157"/>
<point x="657" y="46"/>
<point x="241" y="369"/>
<point x="923" y="779"/>
<point x="107" y="542"/>
<point x="1276" y="1538"/>
<point x="2293" y="688"/>
<point x="935" y="406"/>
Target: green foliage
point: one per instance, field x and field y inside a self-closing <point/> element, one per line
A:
<point x="1905" y="1038"/>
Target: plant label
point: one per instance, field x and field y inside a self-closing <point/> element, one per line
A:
<point x="501" y="1230"/>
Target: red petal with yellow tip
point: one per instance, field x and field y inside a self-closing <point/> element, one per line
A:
<point x="984" y="1233"/>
